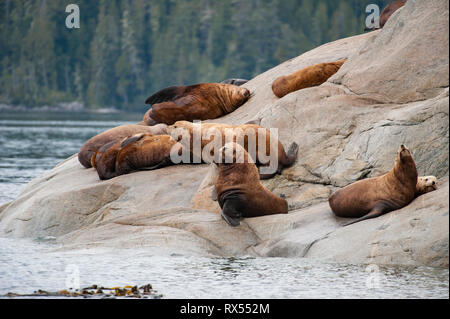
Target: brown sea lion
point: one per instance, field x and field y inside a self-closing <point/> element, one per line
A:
<point x="239" y="191"/>
<point x="215" y="134"/>
<point x="194" y="102"/>
<point x="95" y="143"/>
<point x="425" y="184"/>
<point x="373" y="197"/>
<point x="389" y="10"/>
<point x="386" y="13"/>
<point x="313" y="75"/>
<point x="141" y="151"/>
<point x="237" y="82"/>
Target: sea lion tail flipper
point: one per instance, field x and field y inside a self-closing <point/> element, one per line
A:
<point x="291" y="155"/>
<point x="378" y="210"/>
<point x="84" y="157"/>
<point x="269" y="176"/>
<point x="163" y="163"/>
<point x="168" y="94"/>
<point x="132" y="139"/>
<point x="256" y="122"/>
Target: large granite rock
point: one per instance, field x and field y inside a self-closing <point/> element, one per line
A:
<point x="392" y="90"/>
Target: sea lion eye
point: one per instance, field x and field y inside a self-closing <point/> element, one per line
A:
<point x="426" y="179"/>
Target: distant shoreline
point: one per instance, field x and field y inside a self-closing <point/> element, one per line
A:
<point x="61" y="107"/>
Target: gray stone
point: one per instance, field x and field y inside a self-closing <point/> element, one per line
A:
<point x="392" y="90"/>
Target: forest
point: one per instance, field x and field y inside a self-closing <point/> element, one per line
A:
<point x="125" y="50"/>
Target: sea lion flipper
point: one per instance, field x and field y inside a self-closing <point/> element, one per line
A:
<point x="255" y="122"/>
<point x="132" y="139"/>
<point x="233" y="222"/>
<point x="230" y="214"/>
<point x="378" y="210"/>
<point x="168" y="94"/>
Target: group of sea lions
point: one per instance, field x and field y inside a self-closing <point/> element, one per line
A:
<point x="169" y="135"/>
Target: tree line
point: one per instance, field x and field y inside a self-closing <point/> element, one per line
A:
<point x="125" y="50"/>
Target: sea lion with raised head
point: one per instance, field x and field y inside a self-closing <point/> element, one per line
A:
<point x="239" y="192"/>
<point x="246" y="135"/>
<point x="310" y="76"/>
<point x="425" y="184"/>
<point x="141" y="151"/>
<point x="95" y="143"/>
<point x="194" y="102"/>
<point x="373" y="197"/>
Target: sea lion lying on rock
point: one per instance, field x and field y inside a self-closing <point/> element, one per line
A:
<point x="387" y="11"/>
<point x="425" y="184"/>
<point x="95" y="143"/>
<point x="194" y="102"/>
<point x="373" y="197"/>
<point x="310" y="76"/>
<point x="142" y="151"/>
<point x="257" y="140"/>
<point x="238" y="189"/>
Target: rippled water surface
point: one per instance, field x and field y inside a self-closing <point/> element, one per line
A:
<point x="33" y="143"/>
<point x="26" y="266"/>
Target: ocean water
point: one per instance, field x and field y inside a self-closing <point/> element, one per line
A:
<point x="33" y="143"/>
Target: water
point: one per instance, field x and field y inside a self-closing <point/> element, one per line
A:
<point x="34" y="142"/>
<point x="29" y="265"/>
<point x="39" y="142"/>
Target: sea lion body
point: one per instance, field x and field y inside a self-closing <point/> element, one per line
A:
<point x="235" y="133"/>
<point x="95" y="143"/>
<point x="389" y="10"/>
<point x="146" y="152"/>
<point x="239" y="191"/>
<point x="313" y="75"/>
<point x="195" y="102"/>
<point x="141" y="151"/>
<point x="376" y="196"/>
<point x="425" y="184"/>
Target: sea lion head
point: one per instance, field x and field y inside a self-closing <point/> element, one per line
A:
<point x="180" y="129"/>
<point x="404" y="155"/>
<point x="237" y="96"/>
<point x="405" y="166"/>
<point x="426" y="184"/>
<point x="232" y="153"/>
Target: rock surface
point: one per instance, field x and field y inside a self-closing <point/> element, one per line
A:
<point x="392" y="90"/>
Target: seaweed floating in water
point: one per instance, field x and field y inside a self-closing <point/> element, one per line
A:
<point x="94" y="291"/>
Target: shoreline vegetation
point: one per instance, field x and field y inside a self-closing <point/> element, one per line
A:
<point x="125" y="50"/>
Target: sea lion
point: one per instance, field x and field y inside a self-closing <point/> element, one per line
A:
<point x="194" y="102"/>
<point x="215" y="134"/>
<point x="386" y="13"/>
<point x="141" y="151"/>
<point x="313" y="75"/>
<point x="425" y="184"/>
<point x="373" y="197"/>
<point x="239" y="191"/>
<point x="95" y="143"/>
<point x="237" y="82"/>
